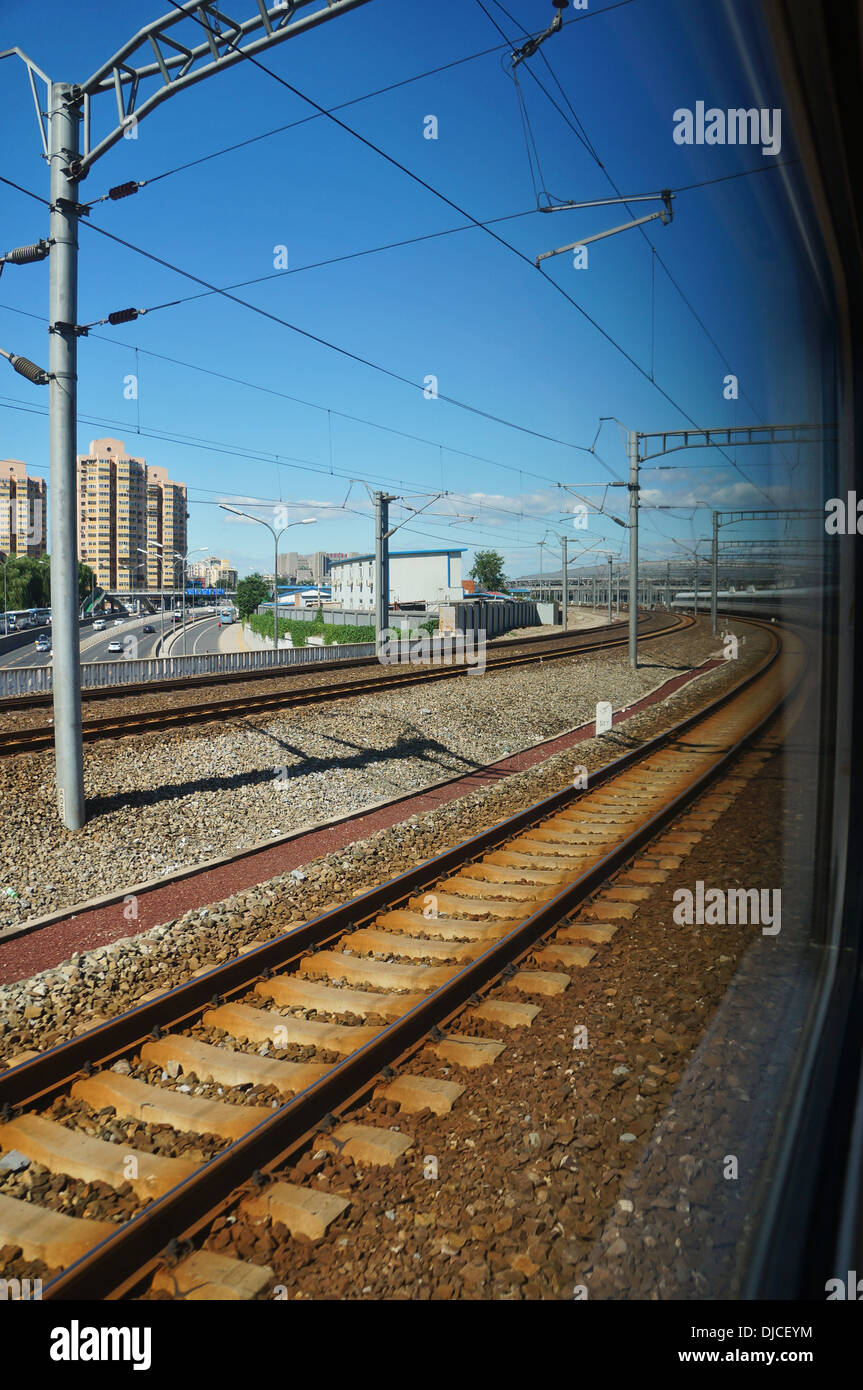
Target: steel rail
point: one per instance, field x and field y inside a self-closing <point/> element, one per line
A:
<point x="146" y="721"/>
<point x="40" y="700"/>
<point x="117" y="1263"/>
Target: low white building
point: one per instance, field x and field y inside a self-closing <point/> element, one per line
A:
<point x="416" y="576"/>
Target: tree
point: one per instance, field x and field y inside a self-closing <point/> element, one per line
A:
<point x="488" y="570"/>
<point x="86" y="577"/>
<point x="27" y="582"/>
<point x="250" y="592"/>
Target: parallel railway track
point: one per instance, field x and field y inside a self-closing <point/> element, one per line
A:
<point x="407" y="957"/>
<point x="288" y="672"/>
<point x="35" y="739"/>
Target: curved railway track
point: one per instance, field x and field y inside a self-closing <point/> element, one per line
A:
<point x="30" y="740"/>
<point x="407" y="958"/>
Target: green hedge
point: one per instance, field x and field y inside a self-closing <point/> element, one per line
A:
<point x="299" y="631"/>
<point x="413" y="633"/>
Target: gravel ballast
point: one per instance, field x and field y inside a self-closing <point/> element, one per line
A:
<point x="161" y="802"/>
<point x="104" y="981"/>
<point x="592" y="1172"/>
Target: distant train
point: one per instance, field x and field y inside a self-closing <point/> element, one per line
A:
<point x="747" y="598"/>
<point x="803" y="604"/>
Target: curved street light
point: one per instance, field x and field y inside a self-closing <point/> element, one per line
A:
<point x="276" y="535"/>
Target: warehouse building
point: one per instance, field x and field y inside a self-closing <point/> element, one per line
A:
<point x="416" y="577"/>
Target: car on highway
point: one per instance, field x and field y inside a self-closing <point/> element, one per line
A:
<point x="115" y="646"/>
<point x="43" y="644"/>
<point x="99" y="625"/>
<point x="148" y="627"/>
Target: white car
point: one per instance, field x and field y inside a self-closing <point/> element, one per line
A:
<point x="99" y="625"/>
<point x="118" y="622"/>
<point x="115" y="646"/>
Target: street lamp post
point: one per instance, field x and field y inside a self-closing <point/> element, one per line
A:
<point x="276" y="535"/>
<point x="184" y="560"/>
<point x="145" y="550"/>
<point x="5" y="618"/>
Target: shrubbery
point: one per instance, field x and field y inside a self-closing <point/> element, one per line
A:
<point x="412" y="633"/>
<point x="299" y="631"/>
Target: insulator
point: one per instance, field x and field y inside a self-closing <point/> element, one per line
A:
<point x="123" y="316"/>
<point x="24" y="255"/>
<point x="24" y="367"/>
<point x="122" y="190"/>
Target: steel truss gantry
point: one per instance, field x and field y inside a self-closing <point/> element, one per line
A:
<point x="639" y="442"/>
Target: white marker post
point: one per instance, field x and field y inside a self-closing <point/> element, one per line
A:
<point x="603" y="717"/>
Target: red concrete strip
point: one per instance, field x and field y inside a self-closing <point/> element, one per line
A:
<point x="25" y="955"/>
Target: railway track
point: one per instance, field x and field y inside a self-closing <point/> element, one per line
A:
<point x="453" y="939"/>
<point x="9" y="703"/>
<point x="29" y="740"/>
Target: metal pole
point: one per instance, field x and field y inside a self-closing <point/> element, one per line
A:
<point x="382" y="566"/>
<point x="714" y="579"/>
<point x="379" y="566"/>
<point x="632" y="452"/>
<point x="695" y="588"/>
<point x="276" y="587"/>
<point x="183" y="576"/>
<point x="617" y="596"/>
<point x="62" y="431"/>
<point x="564" y="544"/>
<point x="668" y="584"/>
<point x="610" y="584"/>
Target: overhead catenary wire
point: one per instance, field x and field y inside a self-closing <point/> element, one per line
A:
<point x="438" y="195"/>
<point x="387" y="371"/>
<point x="582" y="136"/>
<point x="312" y="405"/>
<point x="501" y="240"/>
<point x="353" y="101"/>
<point x="263" y="456"/>
<point x="335" y="347"/>
<point x="319" y="265"/>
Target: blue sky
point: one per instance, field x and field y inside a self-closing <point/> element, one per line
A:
<point x="246" y="410"/>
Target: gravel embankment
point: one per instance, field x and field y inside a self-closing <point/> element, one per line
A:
<point x="296" y="677"/>
<point x="161" y="801"/>
<point x="347" y="756"/>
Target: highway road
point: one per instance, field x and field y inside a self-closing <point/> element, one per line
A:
<point x="202" y="638"/>
<point x="94" y="645"/>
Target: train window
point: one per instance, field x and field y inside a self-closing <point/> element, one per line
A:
<point x="544" y="980"/>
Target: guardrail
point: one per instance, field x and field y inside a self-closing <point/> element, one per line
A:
<point x="34" y="680"/>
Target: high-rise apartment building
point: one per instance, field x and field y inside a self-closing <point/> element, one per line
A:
<point x="213" y="573"/>
<point x="131" y="519"/>
<point x="23" y="511"/>
<point x="309" y="569"/>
